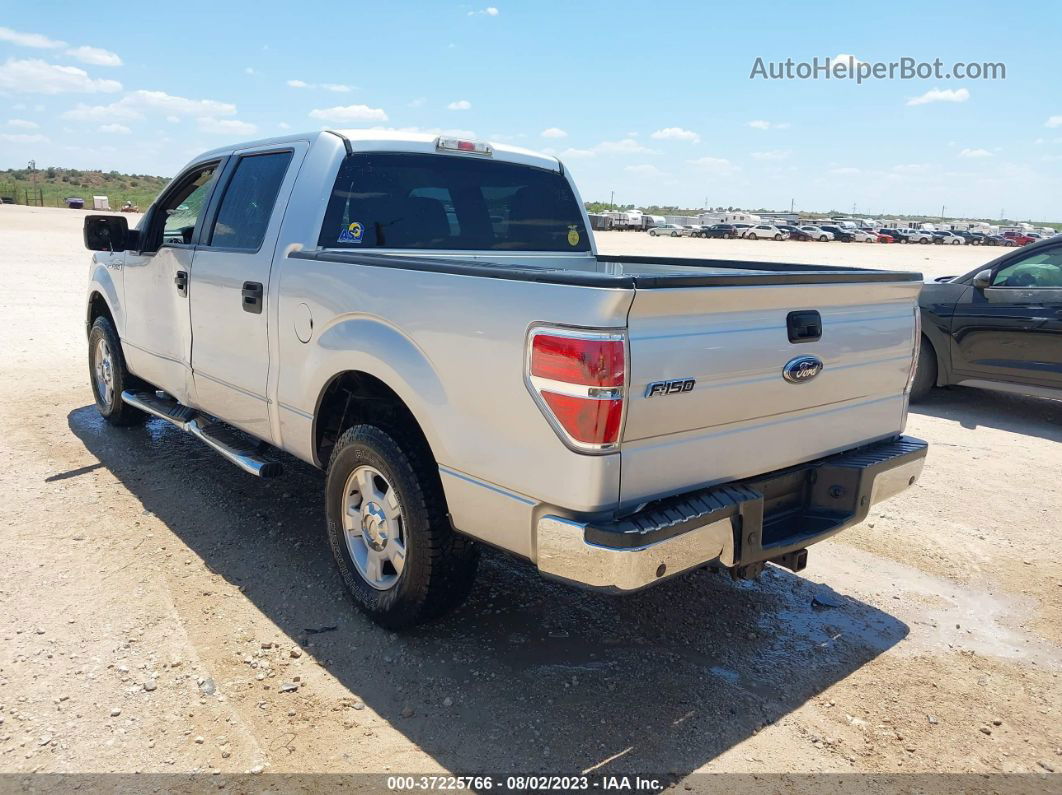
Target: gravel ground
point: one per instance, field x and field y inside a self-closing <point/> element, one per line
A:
<point x="160" y="611"/>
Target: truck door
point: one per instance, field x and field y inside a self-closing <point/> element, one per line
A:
<point x="231" y="310"/>
<point x="156" y="339"/>
<point x="1012" y="329"/>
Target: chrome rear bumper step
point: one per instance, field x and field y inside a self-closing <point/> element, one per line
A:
<point x="205" y="429"/>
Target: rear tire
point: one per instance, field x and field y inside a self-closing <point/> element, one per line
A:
<point x="402" y="508"/>
<point x="777" y="237"/>
<point x="926" y="374"/>
<point x="108" y="375"/>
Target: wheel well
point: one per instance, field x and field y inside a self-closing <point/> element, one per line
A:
<point x="354" y="397"/>
<point x="936" y="357"/>
<point x="97" y="306"/>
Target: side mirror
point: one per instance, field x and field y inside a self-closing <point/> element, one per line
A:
<point x="983" y="279"/>
<point x="108" y="233"/>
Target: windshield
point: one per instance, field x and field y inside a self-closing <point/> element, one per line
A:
<point x="418" y="201"/>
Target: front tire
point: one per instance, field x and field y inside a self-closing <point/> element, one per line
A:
<point x="109" y="376"/>
<point x="389" y="530"/>
<point x="926" y="374"/>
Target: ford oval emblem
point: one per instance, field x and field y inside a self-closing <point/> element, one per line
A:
<point x="801" y="369"/>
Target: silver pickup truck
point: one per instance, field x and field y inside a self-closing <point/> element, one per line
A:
<point x="427" y="319"/>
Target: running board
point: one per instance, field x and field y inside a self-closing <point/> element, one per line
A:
<point x="204" y="429"/>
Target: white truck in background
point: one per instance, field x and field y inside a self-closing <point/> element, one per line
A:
<point x="428" y="320"/>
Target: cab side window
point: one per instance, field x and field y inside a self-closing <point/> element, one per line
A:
<point x="248" y="202"/>
<point x="181" y="210"/>
<point x="1043" y="269"/>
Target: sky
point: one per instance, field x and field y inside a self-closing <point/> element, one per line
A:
<point x="651" y="103"/>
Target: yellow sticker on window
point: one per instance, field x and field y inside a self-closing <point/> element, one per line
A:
<point x="573" y="236"/>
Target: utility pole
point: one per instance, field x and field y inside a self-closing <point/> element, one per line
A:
<point x="792" y="203"/>
<point x="942" y="212"/>
<point x="612" y="201"/>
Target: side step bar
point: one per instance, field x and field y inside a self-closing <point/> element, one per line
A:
<point x="204" y="429"/>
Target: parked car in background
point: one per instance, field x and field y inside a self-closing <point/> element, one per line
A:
<point x="918" y="236"/>
<point x="844" y="235"/>
<point x="728" y="231"/>
<point x="884" y="238"/>
<point x="742" y="229"/>
<point x="999" y="240"/>
<point x="670" y="230"/>
<point x="971" y="238"/>
<point x="999" y="326"/>
<point x="897" y="235"/>
<point x="765" y="232"/>
<point x="863" y="236"/>
<point x="721" y="230"/>
<point x="945" y="238"/>
<point x="695" y="230"/>
<point x="817" y="234"/>
<point x="795" y="233"/>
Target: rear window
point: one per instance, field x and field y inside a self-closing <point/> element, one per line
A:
<point x="414" y="201"/>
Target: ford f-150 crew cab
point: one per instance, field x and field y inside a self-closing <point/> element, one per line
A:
<point x="428" y="320"/>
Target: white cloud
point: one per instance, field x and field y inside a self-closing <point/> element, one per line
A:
<point x="345" y="113"/>
<point x="771" y="154"/>
<point x="34" y="76"/>
<point x="22" y="124"/>
<point x="645" y="170"/>
<point x="416" y="103"/>
<point x="284" y="125"/>
<point x="23" y="138"/>
<point x="553" y="132"/>
<point x="676" y="134"/>
<point x="459" y="104"/>
<point x="975" y="153"/>
<point x="760" y="124"/>
<point x="845" y="171"/>
<point x="35" y="40"/>
<point x="339" y="88"/>
<point x="911" y="168"/>
<point x="173" y="119"/>
<point x="1053" y="121"/>
<point x="940" y="95"/>
<point x="489" y="11"/>
<point x="846" y="58"/>
<point x="95" y="56"/>
<point x="248" y="70"/>
<point x="181" y="106"/>
<point x="625" y="146"/>
<point x="714" y="165"/>
<point x="135" y="104"/>
<point x="297" y="84"/>
<point x="209" y="124"/>
<point x="117" y="129"/>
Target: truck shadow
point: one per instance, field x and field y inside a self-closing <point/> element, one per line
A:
<point x="529" y="675"/>
<point x="973" y="408"/>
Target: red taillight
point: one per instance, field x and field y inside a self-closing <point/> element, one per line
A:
<point x="591" y="362"/>
<point x="578" y="378"/>
<point x="586" y="420"/>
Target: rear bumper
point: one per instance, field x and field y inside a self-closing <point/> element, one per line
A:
<point x="768" y="518"/>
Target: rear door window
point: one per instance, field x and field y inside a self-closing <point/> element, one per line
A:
<point x="248" y="202"/>
<point x="424" y="201"/>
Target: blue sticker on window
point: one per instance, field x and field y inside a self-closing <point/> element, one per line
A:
<point x="352" y="233"/>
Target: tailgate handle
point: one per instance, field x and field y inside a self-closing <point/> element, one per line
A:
<point x="804" y="326"/>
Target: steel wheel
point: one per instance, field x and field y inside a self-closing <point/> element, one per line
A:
<point x="103" y="367"/>
<point x="374" y="528"/>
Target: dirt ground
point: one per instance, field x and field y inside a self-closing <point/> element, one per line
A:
<point x="156" y="602"/>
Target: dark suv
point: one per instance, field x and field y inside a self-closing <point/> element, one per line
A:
<point x="838" y="233"/>
<point x="728" y="231"/>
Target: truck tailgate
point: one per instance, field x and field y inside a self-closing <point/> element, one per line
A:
<point x="741" y="417"/>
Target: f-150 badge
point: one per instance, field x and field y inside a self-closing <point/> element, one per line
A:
<point x="674" y="387"/>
